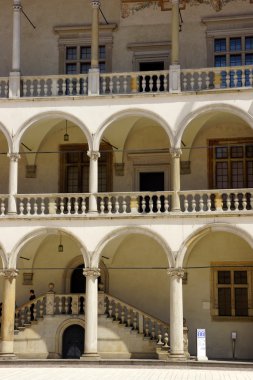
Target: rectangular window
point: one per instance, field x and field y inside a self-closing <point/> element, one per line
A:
<point x="78" y="59"/>
<point x="231" y="163"/>
<point x="232" y="289"/>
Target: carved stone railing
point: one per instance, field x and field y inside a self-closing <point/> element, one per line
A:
<point x="54" y="85"/>
<point x="3" y="204"/>
<point x="225" y="200"/>
<point x="4" y="87"/>
<point x="216" y="78"/>
<point x="137" y="320"/>
<point x="134" y="82"/>
<point x="32" y="310"/>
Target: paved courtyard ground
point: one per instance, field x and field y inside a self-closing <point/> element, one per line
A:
<point x="133" y="373"/>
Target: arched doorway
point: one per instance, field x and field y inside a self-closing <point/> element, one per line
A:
<point x="73" y="342"/>
<point x="77" y="281"/>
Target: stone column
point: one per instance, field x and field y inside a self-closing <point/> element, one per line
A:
<point x="91" y="314"/>
<point x="175" y="68"/>
<point x="93" y="180"/>
<point x="8" y="314"/>
<point x="93" y="80"/>
<point x="14" y="80"/>
<point x="175" y="167"/>
<point x="176" y="314"/>
<point x="13" y="182"/>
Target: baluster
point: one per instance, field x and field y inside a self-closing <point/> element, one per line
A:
<point x="46" y="92"/>
<point x="117" y="205"/>
<point x="28" y="206"/>
<point x="16" y="320"/>
<point x="21" y="206"/>
<point x="27" y="317"/>
<point x="236" y="201"/>
<point x="209" y="203"/>
<point x="184" y="82"/>
<point x="35" y="206"/>
<point x="41" y="309"/>
<point x="110" y="309"/>
<point x="227" y="79"/>
<point x="186" y="204"/>
<point x="35" y="314"/>
<point x="60" y="305"/>
<point x="135" y="321"/>
<point x="118" y="84"/>
<point x="251" y="77"/>
<point x="153" y="331"/>
<point x="71" y="86"/>
<point x="111" y="85"/>
<point x="61" y="207"/>
<point x="243" y="78"/>
<point x="166" y="340"/>
<point x="192" y="81"/>
<point x="251" y="201"/>
<point x="25" y="88"/>
<point x="236" y="78"/>
<point x="146" y="328"/>
<point x="76" y="206"/>
<point x="208" y="79"/>
<point x="125" y="84"/>
<point x="64" y="86"/>
<point x="42" y="206"/>
<point x="78" y="87"/>
<point x="122" y="319"/>
<point x="159" y="336"/>
<point x="68" y="205"/>
<point x="159" y="205"/>
<point x="158" y="83"/>
<point x="244" y="202"/>
<point x="2" y="207"/>
<point x="32" y="88"/>
<point x="128" y="318"/>
<point x="165" y="83"/>
<point x="85" y="86"/>
<point x="109" y="205"/>
<point x="201" y="203"/>
<point x="103" y="85"/>
<point x="166" y="205"/>
<point x="124" y="206"/>
<point x="38" y="87"/>
<point x="199" y="80"/>
<point x="193" y="203"/>
<point x="116" y="315"/>
<point x="151" y="204"/>
<point x="22" y="317"/>
<point x="102" y="206"/>
<point x="83" y="205"/>
<point x="143" y="84"/>
<point x="151" y="83"/>
<point x="229" y="202"/>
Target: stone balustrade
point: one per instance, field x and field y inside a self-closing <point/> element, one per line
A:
<point x="212" y="78"/>
<point x="130" y="203"/>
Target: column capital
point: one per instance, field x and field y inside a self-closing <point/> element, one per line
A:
<point x="9" y="273"/>
<point x="176" y="272"/>
<point x="94" y="155"/>
<point x="17" y="5"/>
<point x="91" y="272"/>
<point x="14" y="156"/>
<point x="174" y="2"/>
<point x="175" y="152"/>
<point x="95" y="3"/>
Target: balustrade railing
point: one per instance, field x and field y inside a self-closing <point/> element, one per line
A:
<point x="137" y="320"/>
<point x="30" y="311"/>
<point x="54" y="85"/>
<point x="216" y="78"/>
<point x="4" y="87"/>
<point x="3" y="204"/>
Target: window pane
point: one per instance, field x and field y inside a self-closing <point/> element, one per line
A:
<point x="249" y="179"/>
<point x="72" y="179"/>
<point x="224" y="301"/>
<point x="224" y="277"/>
<point x="236" y="151"/>
<point x="248" y="43"/>
<point x="84" y="68"/>
<point x="71" y="53"/>
<point x="222" y="175"/>
<point x="240" y="277"/>
<point x="101" y="52"/>
<point x="85" y="179"/>
<point x="102" y="178"/>
<point x="221" y="152"/>
<point x="235" y="60"/>
<point x="237" y="174"/>
<point x="220" y="44"/>
<point x="248" y="59"/>
<point x="235" y="44"/>
<point x="102" y="67"/>
<point x="241" y="302"/>
<point x="71" y="68"/>
<point x="85" y="52"/>
<point x="72" y="157"/>
<point x="220" y="61"/>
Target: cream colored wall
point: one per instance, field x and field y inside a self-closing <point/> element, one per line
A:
<point x="217" y="246"/>
<point x="145" y="287"/>
<point x="39" y="49"/>
<point x="4" y="165"/>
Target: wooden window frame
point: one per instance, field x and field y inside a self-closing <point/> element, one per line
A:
<point x="232" y="267"/>
<point x="212" y="143"/>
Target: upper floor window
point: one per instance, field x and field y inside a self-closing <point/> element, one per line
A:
<point x="233" y="51"/>
<point x="231" y="163"/>
<point x="78" y="59"/>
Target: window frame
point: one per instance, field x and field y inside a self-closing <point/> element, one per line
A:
<point x="232" y="267"/>
<point x="212" y="144"/>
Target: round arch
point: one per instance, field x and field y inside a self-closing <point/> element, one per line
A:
<point x="132" y="112"/>
<point x="193" y="238"/>
<point x="47" y="231"/>
<point x="211" y="108"/>
<point x="3" y="258"/>
<point x="53" y="115"/>
<point x="60" y="331"/>
<point x="127" y="231"/>
<point x="6" y="134"/>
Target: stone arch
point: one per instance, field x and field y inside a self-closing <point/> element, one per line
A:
<point x="132" y="112"/>
<point x="220" y="107"/>
<point x="8" y="137"/>
<point x="193" y="238"/>
<point x="127" y="231"/>
<point x="60" y="331"/>
<point x="46" y="231"/>
<point x="53" y="115"/>
<point x="3" y="258"/>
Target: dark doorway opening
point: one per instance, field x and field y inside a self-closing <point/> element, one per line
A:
<point x="151" y="181"/>
<point x="73" y="342"/>
<point x="151" y="85"/>
<point x="77" y="282"/>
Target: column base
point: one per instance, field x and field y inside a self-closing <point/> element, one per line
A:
<point x="180" y="357"/>
<point x="90" y="357"/>
<point x="8" y="357"/>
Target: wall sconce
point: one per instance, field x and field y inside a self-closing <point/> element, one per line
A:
<point x="60" y="246"/>
<point x="66" y="135"/>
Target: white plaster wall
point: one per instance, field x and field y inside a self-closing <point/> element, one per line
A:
<point x="214" y="247"/>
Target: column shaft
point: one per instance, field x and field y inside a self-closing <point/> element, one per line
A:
<point x="95" y="35"/>
<point x="176" y="314"/>
<point x="93" y="180"/>
<point x="175" y="155"/>
<point x="8" y="313"/>
<point x="175" y="32"/>
<point x="91" y="312"/>
<point x="13" y="182"/>
<point x="16" y="36"/>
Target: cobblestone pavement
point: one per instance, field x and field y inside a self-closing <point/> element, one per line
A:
<point x="8" y="373"/>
